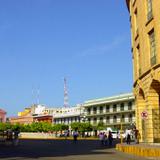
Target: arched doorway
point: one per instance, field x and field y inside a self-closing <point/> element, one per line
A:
<point x="140" y="107"/>
<point x="154" y="111"/>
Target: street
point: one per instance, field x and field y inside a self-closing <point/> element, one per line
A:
<point x="61" y="150"/>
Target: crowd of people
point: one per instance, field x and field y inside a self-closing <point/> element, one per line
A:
<point x="132" y="134"/>
<point x="11" y="137"/>
<point x="106" y="139"/>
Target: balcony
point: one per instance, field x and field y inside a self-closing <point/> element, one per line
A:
<point x="94" y="112"/>
<point x="122" y="120"/>
<point x="130" y="120"/>
<point x="107" y="110"/>
<point x="101" y="112"/>
<point x="111" y="113"/>
<point x="114" y="109"/>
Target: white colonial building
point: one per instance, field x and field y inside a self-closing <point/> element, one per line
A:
<point x="112" y="111"/>
<point x="68" y="115"/>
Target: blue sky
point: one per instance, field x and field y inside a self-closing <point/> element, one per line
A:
<point x="42" y="41"/>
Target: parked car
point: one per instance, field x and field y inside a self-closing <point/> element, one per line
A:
<point x="114" y="134"/>
<point x="121" y="133"/>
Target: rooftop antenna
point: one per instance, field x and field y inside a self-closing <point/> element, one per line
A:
<point x="38" y="93"/>
<point x="35" y="94"/>
<point x="66" y="104"/>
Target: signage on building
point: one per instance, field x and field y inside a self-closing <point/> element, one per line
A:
<point x="144" y="115"/>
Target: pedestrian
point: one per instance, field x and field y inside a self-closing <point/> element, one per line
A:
<point x="16" y="136"/>
<point x="105" y="139"/>
<point x="128" y="136"/>
<point x="101" y="138"/>
<point x="137" y="136"/>
<point x="110" y="138"/>
<point x="75" y="135"/>
<point x="66" y="134"/>
<point x="9" y="139"/>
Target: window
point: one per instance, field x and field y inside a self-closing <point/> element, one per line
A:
<point x="115" y="119"/>
<point x="130" y="118"/>
<point x="149" y="10"/>
<point x="122" y="107"/>
<point x="101" y="109"/>
<point x="94" y="110"/>
<point x="101" y="119"/>
<point x="152" y="47"/>
<point x="107" y="108"/>
<point x="108" y="119"/>
<point x="114" y="108"/>
<point x="130" y="106"/>
<point x="135" y="23"/>
<point x="88" y="111"/>
<point x="122" y="118"/>
<point x="138" y="61"/>
<point x="95" y="120"/>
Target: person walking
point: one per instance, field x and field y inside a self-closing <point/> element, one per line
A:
<point x="110" y="138"/>
<point x="16" y="136"/>
<point x="128" y="136"/>
<point x="101" y="138"/>
<point x="138" y="136"/>
<point x="75" y="135"/>
<point x="105" y="139"/>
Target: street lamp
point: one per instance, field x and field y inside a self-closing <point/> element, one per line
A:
<point x="84" y="118"/>
<point x="121" y="130"/>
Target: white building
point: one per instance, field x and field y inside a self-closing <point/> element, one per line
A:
<point x="112" y="111"/>
<point x="68" y="115"/>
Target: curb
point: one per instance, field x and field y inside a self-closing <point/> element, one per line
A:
<point x="26" y="138"/>
<point x="139" y="150"/>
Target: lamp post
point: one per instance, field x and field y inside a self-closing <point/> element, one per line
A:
<point x="84" y="118"/>
<point x="121" y="131"/>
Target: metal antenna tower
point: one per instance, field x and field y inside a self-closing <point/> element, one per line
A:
<point x="35" y="94"/>
<point x="66" y="104"/>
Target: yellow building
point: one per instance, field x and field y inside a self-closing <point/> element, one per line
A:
<point x="26" y="112"/>
<point x="145" y="35"/>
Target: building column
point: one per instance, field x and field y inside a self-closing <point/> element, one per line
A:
<point x="98" y="110"/>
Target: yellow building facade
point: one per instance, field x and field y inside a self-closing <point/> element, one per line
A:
<point x="145" y="37"/>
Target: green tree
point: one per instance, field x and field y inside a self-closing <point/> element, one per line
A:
<point x="16" y="126"/>
<point x="2" y="126"/>
<point x="101" y="126"/>
<point x="64" y="127"/>
<point x="46" y="127"/>
<point x="75" y="126"/>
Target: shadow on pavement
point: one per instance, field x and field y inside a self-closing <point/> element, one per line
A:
<point x="52" y="148"/>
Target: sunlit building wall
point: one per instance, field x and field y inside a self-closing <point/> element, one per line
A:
<point x="145" y="41"/>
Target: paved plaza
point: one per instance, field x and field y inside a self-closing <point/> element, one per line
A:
<point x="61" y="150"/>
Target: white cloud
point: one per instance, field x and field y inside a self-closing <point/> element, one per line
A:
<point x="103" y="49"/>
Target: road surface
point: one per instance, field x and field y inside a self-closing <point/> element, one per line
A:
<point x="61" y="150"/>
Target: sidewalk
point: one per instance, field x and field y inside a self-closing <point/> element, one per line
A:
<point x="144" y="150"/>
<point x="58" y="138"/>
